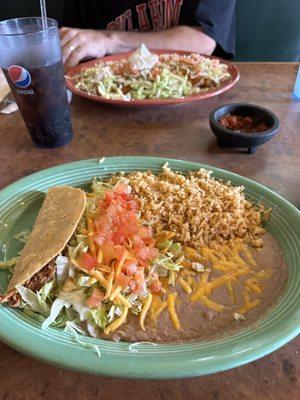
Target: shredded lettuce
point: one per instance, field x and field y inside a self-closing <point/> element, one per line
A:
<point x="167" y="262"/>
<point x="62" y="268"/>
<point x="72" y="330"/>
<point x="136" y="304"/>
<point x="61" y="320"/>
<point x="100" y="188"/>
<point x="32" y="314"/>
<point x="92" y="328"/>
<point x="22" y="236"/>
<point x="66" y="300"/>
<point x="100" y="316"/>
<point x="34" y="300"/>
<point x="132" y="347"/>
<point x="85" y="281"/>
<point x="56" y="308"/>
<point x="164" y="245"/>
<point x="70" y="325"/>
<point x="74" y="252"/>
<point x="111" y="313"/>
<point x="8" y="263"/>
<point x="46" y="290"/>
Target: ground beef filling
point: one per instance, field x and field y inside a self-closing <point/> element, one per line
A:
<point x="34" y="283"/>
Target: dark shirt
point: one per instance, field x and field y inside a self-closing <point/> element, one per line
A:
<point x="215" y="17"/>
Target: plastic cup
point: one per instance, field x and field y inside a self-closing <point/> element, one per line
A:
<point x="30" y="57"/>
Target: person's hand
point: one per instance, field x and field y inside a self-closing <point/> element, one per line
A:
<point x="78" y="44"/>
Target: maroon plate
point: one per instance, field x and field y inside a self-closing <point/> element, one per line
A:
<point x="150" y="102"/>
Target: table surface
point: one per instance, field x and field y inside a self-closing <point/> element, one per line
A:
<point x="178" y="132"/>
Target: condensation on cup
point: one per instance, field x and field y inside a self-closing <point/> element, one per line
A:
<point x="32" y="63"/>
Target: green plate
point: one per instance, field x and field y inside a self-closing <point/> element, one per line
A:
<point x="19" y="205"/>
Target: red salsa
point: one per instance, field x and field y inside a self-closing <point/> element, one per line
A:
<point x="239" y="123"/>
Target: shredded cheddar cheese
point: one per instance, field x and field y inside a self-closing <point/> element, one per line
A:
<point x="103" y="268"/>
<point x="230" y="291"/>
<point x="159" y="310"/>
<point x="249" y="256"/>
<point x="100" y="256"/>
<point x="185" y="286"/>
<point x="213" y="305"/>
<point x="145" y="310"/>
<point x="156" y="307"/>
<point x="191" y="254"/>
<point x="104" y="282"/>
<point x="249" y="306"/>
<point x="121" y="262"/>
<point x="117" y="323"/>
<point x="186" y="264"/>
<point x="204" y="277"/>
<point x="110" y="280"/>
<point x="99" y="275"/>
<point x="172" y="278"/>
<point x="217" y="282"/>
<point x="254" y="286"/>
<point x="91" y="243"/>
<point x="172" y="311"/>
<point x="115" y="291"/>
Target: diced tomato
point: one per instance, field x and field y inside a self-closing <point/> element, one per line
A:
<point x="99" y="238"/>
<point x="88" y="261"/>
<point x="130" y="267"/>
<point x="144" y="233"/>
<point x="122" y="280"/>
<point x="155" y="287"/>
<point x="109" y="253"/>
<point x="140" y="277"/>
<point x="153" y="252"/>
<point x="151" y="242"/>
<point x="119" y="236"/>
<point x="142" y="252"/>
<point x="95" y="299"/>
<point x="120" y="252"/>
<point x="118" y="223"/>
<point x="133" y="286"/>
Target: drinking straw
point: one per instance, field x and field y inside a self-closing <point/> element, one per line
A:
<point x="44" y="14"/>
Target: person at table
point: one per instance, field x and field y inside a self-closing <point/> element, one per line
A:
<point x="96" y="28"/>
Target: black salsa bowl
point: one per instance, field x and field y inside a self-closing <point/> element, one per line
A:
<point x="250" y="141"/>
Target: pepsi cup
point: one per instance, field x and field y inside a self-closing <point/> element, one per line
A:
<point x="30" y="57"/>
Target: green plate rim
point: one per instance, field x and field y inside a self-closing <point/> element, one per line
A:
<point x="162" y="361"/>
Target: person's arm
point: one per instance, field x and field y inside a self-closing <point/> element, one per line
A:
<point x="78" y="44"/>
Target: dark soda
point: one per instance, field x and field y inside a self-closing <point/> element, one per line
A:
<point x="44" y="105"/>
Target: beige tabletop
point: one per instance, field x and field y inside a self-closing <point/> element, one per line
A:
<point x="179" y="132"/>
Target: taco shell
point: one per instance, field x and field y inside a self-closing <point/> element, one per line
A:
<point x="55" y="224"/>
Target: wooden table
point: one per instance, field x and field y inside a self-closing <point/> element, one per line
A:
<point x="178" y="132"/>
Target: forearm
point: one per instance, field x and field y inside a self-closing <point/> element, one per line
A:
<point x="177" y="38"/>
<point x="78" y="44"/>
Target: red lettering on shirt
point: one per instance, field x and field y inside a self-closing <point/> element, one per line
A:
<point x="156" y="15"/>
<point x="164" y="14"/>
<point x="171" y="12"/>
<point x="144" y="24"/>
<point x="112" y="26"/>
<point x="124" y="21"/>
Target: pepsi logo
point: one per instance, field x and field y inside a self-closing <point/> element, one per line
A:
<point x="20" y="76"/>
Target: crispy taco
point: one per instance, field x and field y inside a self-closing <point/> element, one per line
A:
<point x="55" y="224"/>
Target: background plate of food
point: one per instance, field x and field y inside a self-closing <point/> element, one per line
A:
<point x="152" y="78"/>
<point x="182" y="271"/>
